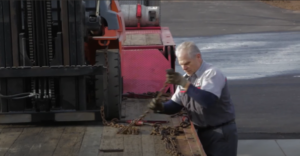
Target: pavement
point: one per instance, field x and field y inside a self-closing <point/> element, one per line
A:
<point x="194" y="18"/>
<point x="283" y="147"/>
<point x="257" y="47"/>
<point x="262" y="69"/>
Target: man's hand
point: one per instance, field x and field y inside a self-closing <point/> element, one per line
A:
<point x="176" y="78"/>
<point x="156" y="105"/>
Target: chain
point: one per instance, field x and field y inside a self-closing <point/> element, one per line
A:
<point x="181" y="113"/>
<point x="168" y="133"/>
<point x="168" y="136"/>
<point x="114" y="122"/>
<point x="125" y="130"/>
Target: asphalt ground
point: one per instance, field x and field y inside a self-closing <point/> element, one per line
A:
<point x="266" y="107"/>
<point x="187" y="18"/>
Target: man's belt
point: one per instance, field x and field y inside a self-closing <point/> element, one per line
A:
<point x="201" y="129"/>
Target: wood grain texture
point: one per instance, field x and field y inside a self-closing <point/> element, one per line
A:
<point x="70" y="141"/>
<point x="27" y="138"/>
<point x="110" y="154"/>
<point x="142" y="39"/>
<point x="153" y="39"/>
<point x="112" y="144"/>
<point x="6" y="140"/>
<point x="133" y="145"/>
<point x="148" y="145"/>
<point x="159" y="146"/>
<point x="91" y="141"/>
<point x="138" y="40"/>
<point x="47" y="142"/>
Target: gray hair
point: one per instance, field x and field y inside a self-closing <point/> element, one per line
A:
<point x="187" y="47"/>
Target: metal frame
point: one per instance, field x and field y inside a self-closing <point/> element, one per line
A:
<point x="57" y="116"/>
<point x="53" y="71"/>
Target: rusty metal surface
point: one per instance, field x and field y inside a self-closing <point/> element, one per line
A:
<point x="65" y="32"/>
<point x="2" y="38"/>
<point x="57" y="71"/>
<point x="7" y="33"/>
<point x="196" y="143"/>
<point x="167" y="37"/>
<point x="15" y="25"/>
<point x="189" y="142"/>
<point x="151" y="31"/>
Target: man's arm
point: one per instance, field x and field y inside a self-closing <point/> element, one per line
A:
<point x="210" y="90"/>
<point x="171" y="107"/>
<point x="174" y="105"/>
<point x="204" y="98"/>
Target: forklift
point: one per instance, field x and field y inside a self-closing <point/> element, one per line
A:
<point x="61" y="60"/>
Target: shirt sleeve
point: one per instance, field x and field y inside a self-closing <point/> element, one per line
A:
<point x="213" y="82"/>
<point x="171" y="107"/>
<point x="177" y="96"/>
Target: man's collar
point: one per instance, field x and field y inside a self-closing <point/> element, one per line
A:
<point x="201" y="69"/>
<point x="185" y="75"/>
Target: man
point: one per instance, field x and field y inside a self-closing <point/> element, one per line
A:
<point x="204" y="93"/>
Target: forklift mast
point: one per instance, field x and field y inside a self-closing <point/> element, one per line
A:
<point x="61" y="60"/>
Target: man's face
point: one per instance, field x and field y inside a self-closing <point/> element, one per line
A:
<point x="188" y="64"/>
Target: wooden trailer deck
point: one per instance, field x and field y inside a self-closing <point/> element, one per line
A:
<point x="87" y="138"/>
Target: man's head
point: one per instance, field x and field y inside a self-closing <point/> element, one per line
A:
<point x="189" y="57"/>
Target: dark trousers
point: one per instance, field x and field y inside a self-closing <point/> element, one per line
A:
<point x="221" y="141"/>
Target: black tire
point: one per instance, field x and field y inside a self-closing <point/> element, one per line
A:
<point x="114" y="86"/>
<point x="109" y="92"/>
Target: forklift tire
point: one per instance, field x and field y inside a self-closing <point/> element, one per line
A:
<point x="109" y="92"/>
<point x="114" y="86"/>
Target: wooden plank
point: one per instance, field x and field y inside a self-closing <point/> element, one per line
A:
<point x="157" y="117"/>
<point x="182" y="142"/>
<point x="6" y="140"/>
<point x="132" y="145"/>
<point x="192" y="142"/>
<point x="111" y="141"/>
<point x="148" y="145"/>
<point x="109" y="131"/>
<point x="153" y="39"/>
<point x="110" y="154"/>
<point x="91" y="141"/>
<point x="197" y="140"/>
<point x="53" y="130"/>
<point x="138" y="39"/>
<point x="47" y="142"/>
<point x="112" y="144"/>
<point x="136" y="107"/>
<point x="142" y="39"/>
<point x="145" y="130"/>
<point x="183" y="146"/>
<point x="5" y="130"/>
<point x="69" y="144"/>
<point x="127" y="40"/>
<point x="70" y="141"/>
<point x="23" y="143"/>
<point x="75" y="130"/>
<point x="132" y="107"/>
<point x="176" y="121"/>
<point x="159" y="146"/>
